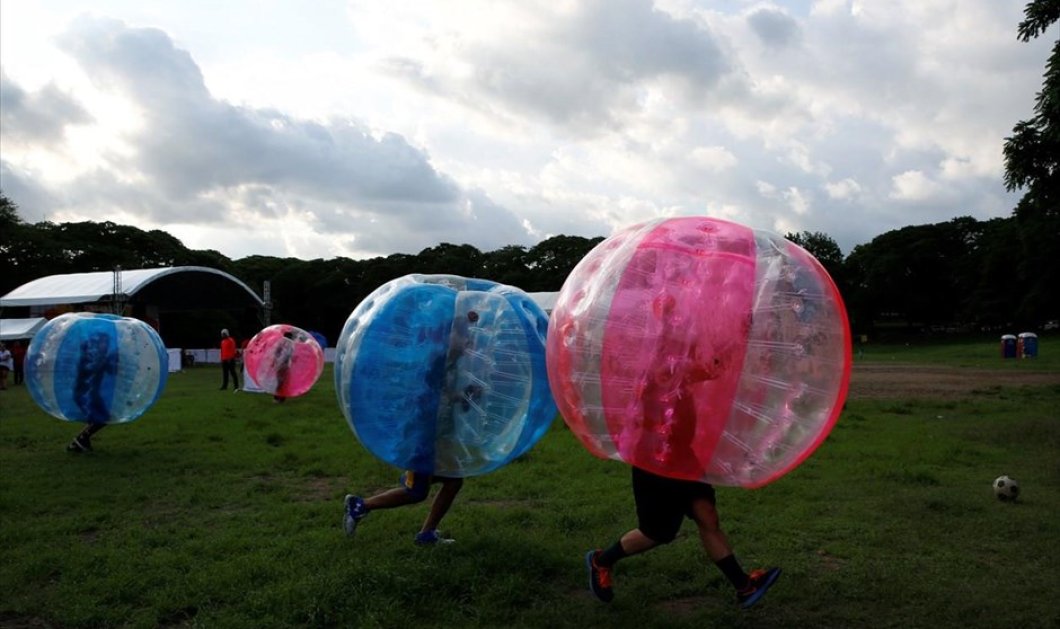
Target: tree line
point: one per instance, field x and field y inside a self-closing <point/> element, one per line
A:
<point x="311" y="294"/>
<point x="960" y="275"/>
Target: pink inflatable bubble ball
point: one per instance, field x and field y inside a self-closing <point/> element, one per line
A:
<point x="700" y="349"/>
<point x="284" y="360"/>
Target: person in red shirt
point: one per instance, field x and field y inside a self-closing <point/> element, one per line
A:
<point x="228" y="360"/>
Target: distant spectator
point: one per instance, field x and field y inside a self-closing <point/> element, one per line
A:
<point x="7" y="364"/>
<point x="18" y="352"/>
<point x="228" y="360"/>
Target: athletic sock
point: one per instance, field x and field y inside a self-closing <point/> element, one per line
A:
<point x="609" y="557"/>
<point x="733" y="572"/>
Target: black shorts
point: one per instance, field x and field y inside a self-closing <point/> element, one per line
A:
<point x="663" y="503"/>
<point x="418" y="484"/>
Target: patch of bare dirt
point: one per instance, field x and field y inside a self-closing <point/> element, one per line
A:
<point x="684" y="606"/>
<point x="910" y="380"/>
<point x="829" y="561"/>
<point x="504" y="504"/>
<point x="322" y="489"/>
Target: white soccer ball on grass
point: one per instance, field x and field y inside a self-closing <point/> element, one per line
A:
<point x="1006" y="488"/>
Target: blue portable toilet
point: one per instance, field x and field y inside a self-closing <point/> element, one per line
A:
<point x="1008" y="346"/>
<point x="1028" y="345"/>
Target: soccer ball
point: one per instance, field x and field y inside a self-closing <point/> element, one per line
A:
<point x="1006" y="488"/>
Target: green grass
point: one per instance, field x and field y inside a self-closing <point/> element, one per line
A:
<point x="982" y="352"/>
<point x="224" y="510"/>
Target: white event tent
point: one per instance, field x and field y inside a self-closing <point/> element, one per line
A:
<point x="547" y="301"/>
<point x="149" y="291"/>
<point x="81" y="288"/>
<point x="14" y="329"/>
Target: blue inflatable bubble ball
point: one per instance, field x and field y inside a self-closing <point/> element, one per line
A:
<point x="321" y="340"/>
<point x="96" y="368"/>
<point x="445" y="375"/>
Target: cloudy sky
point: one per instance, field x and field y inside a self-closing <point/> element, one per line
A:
<point x="361" y="128"/>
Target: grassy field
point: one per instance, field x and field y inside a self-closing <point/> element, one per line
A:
<point x="980" y="352"/>
<point x="224" y="510"/>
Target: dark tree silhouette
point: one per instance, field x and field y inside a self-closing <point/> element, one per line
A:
<point x="1032" y="163"/>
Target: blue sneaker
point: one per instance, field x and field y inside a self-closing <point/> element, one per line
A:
<point x="432" y="537"/>
<point x="758" y="584"/>
<point x="355" y="512"/>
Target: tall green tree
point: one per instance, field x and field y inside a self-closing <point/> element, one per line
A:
<point x="1032" y="152"/>
<point x="507" y="265"/>
<point x="8" y="213"/>
<point x="1032" y="163"/>
<point x="450" y="259"/>
<point x="826" y="250"/>
<point x="551" y="261"/>
<point x="12" y="232"/>
<point x="921" y="275"/>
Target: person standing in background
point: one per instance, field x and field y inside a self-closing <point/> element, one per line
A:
<point x="7" y="364"/>
<point x="228" y="360"/>
<point x="18" y="354"/>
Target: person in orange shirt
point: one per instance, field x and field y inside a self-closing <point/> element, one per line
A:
<point x="228" y="360"/>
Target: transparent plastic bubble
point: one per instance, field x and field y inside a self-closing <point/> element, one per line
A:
<point x="700" y="349"/>
<point x="98" y="368"/>
<point x="284" y="360"/>
<point x="445" y="375"/>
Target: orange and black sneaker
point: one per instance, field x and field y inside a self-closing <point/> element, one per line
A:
<point x="599" y="578"/>
<point x="758" y="583"/>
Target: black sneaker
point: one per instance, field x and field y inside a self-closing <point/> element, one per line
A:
<point x="758" y="584"/>
<point x="599" y="578"/>
<point x="79" y="444"/>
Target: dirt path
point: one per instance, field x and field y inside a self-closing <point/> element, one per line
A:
<point x="911" y="380"/>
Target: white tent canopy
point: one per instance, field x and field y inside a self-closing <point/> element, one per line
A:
<point x="11" y="329"/>
<point x="78" y="288"/>
<point x="546" y="301"/>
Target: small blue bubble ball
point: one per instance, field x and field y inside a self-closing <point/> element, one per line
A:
<point x="96" y="368"/>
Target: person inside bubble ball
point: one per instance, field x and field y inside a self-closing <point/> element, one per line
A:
<point x="281" y="357"/>
<point x="98" y="361"/>
<point x="684" y="362"/>
<point x="415" y="486"/>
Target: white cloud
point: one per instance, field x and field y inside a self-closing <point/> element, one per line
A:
<point x="766" y="189"/>
<point x="913" y="185"/>
<point x="829" y="7"/>
<point x="714" y="158"/>
<point x="798" y="201"/>
<point x="846" y="189"/>
<point x="366" y="128"/>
